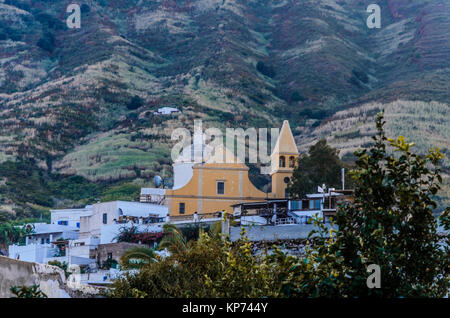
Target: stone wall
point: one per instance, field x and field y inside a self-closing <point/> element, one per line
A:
<point x="274" y="233"/>
<point x="13" y="272"/>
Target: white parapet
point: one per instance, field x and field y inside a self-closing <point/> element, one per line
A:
<point x="32" y="253"/>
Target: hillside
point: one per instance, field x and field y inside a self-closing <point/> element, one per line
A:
<point x="68" y="96"/>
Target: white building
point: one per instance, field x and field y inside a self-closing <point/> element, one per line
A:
<point x="321" y="205"/>
<point x="44" y="233"/>
<point x="70" y="217"/>
<point x="167" y="111"/>
<point x="120" y="212"/>
<point x="40" y="244"/>
<point x="80" y="231"/>
<point x="36" y="253"/>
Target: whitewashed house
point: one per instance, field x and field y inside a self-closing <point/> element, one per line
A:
<point x="79" y="232"/>
<point x="69" y="217"/>
<point x="167" y="111"/>
<point x="106" y="218"/>
<point x="40" y="244"/>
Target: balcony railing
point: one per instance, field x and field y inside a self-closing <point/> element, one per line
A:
<point x="201" y="217"/>
<point x="285" y="221"/>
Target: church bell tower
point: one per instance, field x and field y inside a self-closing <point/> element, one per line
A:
<point x="283" y="160"/>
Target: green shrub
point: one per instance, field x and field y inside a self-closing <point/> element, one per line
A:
<point x="27" y="292"/>
<point x="135" y="103"/>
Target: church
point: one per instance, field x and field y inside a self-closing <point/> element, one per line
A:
<point x="210" y="185"/>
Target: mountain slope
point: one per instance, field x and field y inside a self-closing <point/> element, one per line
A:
<point x="67" y="96"/>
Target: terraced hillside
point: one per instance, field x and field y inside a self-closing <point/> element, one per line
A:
<point x="81" y="101"/>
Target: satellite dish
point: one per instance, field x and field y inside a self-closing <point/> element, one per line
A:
<point x="158" y="181"/>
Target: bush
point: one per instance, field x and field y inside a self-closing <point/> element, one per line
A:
<point x="135" y="103"/>
<point x="265" y="70"/>
<point x="361" y="76"/>
<point x="110" y="263"/>
<point x="47" y="42"/>
<point x="28" y="292"/>
<point x="85" y="8"/>
<point x="296" y="97"/>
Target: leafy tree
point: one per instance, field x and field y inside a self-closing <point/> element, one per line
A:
<point x="296" y="97"/>
<point x="85" y="8"/>
<point x="173" y="240"/>
<point x="192" y="231"/>
<point x="135" y="103"/>
<point x="265" y="69"/>
<point x="391" y="221"/>
<point x="47" y="42"/>
<point x="321" y="165"/>
<point x="180" y="275"/>
<point x="110" y="263"/>
<point x="361" y="76"/>
<point x="12" y="234"/>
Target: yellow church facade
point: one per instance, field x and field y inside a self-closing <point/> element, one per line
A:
<point x="215" y="185"/>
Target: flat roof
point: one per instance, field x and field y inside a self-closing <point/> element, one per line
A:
<point x="260" y="204"/>
<point x="44" y="228"/>
<point x="156" y="191"/>
<point x="138" y="209"/>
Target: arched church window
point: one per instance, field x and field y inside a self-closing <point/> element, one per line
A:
<point x="282" y="162"/>
<point x="291" y="162"/>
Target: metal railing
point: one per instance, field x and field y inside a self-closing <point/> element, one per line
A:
<point x="201" y="217"/>
<point x="285" y="221"/>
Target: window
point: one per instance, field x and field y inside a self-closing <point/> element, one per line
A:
<point x="220" y="187"/>
<point x="109" y="255"/>
<point x="305" y="204"/>
<point x="63" y="222"/>
<point x="282" y="162"/>
<point x="317" y="204"/>
<point x="78" y="224"/>
<point x="47" y="240"/>
<point x="105" y="218"/>
<point x="296" y="205"/>
<point x="311" y="204"/>
<point x="182" y="208"/>
<point x="42" y="240"/>
<point x="291" y="162"/>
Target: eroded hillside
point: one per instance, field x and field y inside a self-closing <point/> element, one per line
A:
<point x="81" y="101"/>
